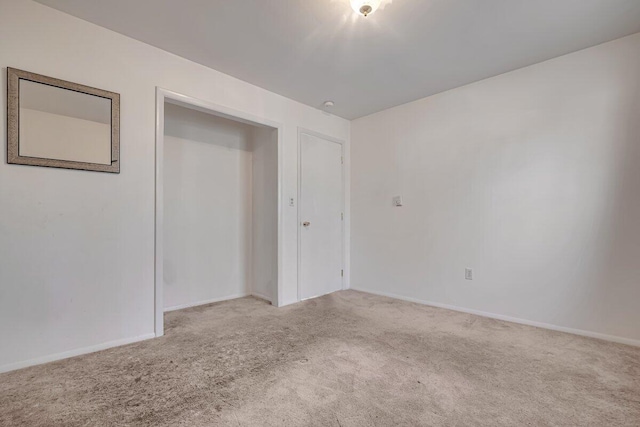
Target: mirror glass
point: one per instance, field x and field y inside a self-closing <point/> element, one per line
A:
<point x="62" y="124"/>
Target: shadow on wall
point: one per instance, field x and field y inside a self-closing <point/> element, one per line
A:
<point x="617" y="266"/>
<point x="193" y="125"/>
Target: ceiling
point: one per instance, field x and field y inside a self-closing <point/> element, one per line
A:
<point x="64" y="102"/>
<point x="317" y="50"/>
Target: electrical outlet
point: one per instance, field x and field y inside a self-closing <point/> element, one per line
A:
<point x="397" y="201"/>
<point x="468" y="274"/>
<point x="292" y="202"/>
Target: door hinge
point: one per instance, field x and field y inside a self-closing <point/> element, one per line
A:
<point x="341" y="160"/>
<point x="341" y="273"/>
<point x="342" y="216"/>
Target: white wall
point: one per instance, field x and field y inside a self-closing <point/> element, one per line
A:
<point x="531" y="178"/>
<point x="207" y="207"/>
<point x="264" y="213"/>
<point x="76" y="247"/>
<point x="54" y="136"/>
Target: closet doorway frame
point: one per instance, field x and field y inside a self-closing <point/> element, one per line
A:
<point x="162" y="96"/>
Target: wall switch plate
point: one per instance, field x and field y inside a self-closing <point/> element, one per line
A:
<point x="468" y="274"/>
<point x="397" y="201"/>
<point x="292" y="202"/>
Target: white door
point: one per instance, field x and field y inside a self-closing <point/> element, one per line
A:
<point x="321" y="216"/>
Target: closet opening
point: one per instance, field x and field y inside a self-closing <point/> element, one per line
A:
<point x="217" y="205"/>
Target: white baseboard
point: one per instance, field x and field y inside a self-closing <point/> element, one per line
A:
<point x="605" y="337"/>
<point x="209" y="301"/>
<point x="260" y="296"/>
<point x="73" y="353"/>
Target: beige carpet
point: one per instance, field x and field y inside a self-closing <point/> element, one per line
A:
<point x="346" y="359"/>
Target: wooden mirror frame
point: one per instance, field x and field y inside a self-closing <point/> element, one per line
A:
<point x="13" y="123"/>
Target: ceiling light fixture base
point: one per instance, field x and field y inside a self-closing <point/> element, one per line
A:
<point x="365" y="7"/>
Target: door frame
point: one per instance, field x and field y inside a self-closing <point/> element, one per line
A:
<point x="162" y="96"/>
<point x="344" y="242"/>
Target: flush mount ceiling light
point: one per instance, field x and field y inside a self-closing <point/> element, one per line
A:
<point x="365" y="7"/>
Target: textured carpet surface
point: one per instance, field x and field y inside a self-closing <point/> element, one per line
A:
<point x="346" y="359"/>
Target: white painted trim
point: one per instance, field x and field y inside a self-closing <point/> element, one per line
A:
<point x="162" y="96"/>
<point x="346" y="219"/>
<point x="205" y="302"/>
<point x="158" y="312"/>
<point x="589" y="334"/>
<point x="260" y="296"/>
<point x="73" y="353"/>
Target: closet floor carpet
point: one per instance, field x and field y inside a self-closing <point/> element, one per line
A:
<point x="345" y="359"/>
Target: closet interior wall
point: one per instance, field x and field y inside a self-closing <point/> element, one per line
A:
<point x="220" y="209"/>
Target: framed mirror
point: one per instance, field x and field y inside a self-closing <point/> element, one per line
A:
<point x="60" y="124"/>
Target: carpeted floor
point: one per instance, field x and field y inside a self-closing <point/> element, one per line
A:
<point x="346" y="359"/>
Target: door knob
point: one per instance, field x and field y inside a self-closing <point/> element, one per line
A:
<point x="306" y="223"/>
